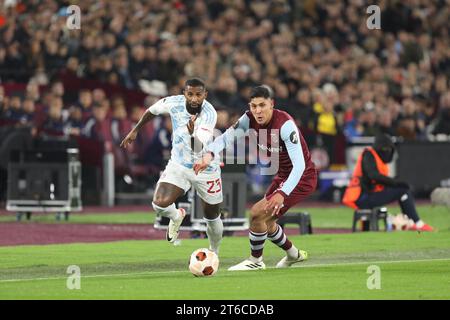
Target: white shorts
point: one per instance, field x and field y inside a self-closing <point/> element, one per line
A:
<point x="207" y="185"/>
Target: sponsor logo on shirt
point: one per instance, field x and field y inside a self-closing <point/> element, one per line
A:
<point x="271" y="149"/>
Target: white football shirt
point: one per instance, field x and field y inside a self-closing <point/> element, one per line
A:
<point x="204" y="126"/>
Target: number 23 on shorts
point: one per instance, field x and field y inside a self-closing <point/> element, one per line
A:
<point x="215" y="186"/>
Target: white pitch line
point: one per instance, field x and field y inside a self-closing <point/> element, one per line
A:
<point x="95" y="276"/>
<point x="364" y="262"/>
<point x="179" y="271"/>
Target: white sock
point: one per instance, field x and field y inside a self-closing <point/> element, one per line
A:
<point x="292" y="253"/>
<point x="255" y="260"/>
<point x="419" y="224"/>
<point x="214" y="230"/>
<point x="170" y="212"/>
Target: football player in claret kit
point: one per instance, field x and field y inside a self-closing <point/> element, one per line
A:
<point x="276" y="133"/>
<point x="193" y="121"/>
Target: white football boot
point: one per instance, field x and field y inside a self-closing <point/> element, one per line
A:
<point x="286" y="262"/>
<point x="174" y="226"/>
<point x="248" y="265"/>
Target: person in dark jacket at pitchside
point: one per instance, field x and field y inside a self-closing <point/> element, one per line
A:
<point x="371" y="185"/>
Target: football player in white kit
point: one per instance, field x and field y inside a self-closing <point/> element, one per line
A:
<point x="193" y="120"/>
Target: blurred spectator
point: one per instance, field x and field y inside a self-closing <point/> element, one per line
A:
<point x="385" y="125"/>
<point x="158" y="151"/>
<point x="138" y="68"/>
<point x="54" y="124"/>
<point x="301" y="109"/>
<point x="4" y="69"/>
<point x="240" y="102"/>
<point x="222" y="96"/>
<point x="325" y="124"/>
<point x="282" y="97"/>
<point x="145" y="135"/>
<point x="223" y="120"/>
<point x="122" y="69"/>
<point x="57" y="89"/>
<point x="97" y="126"/>
<point x="14" y="113"/>
<point x="298" y="48"/>
<point x="3" y="104"/>
<point x="411" y="124"/>
<point x="370" y="121"/>
<point x="354" y="127"/>
<point x="120" y="124"/>
<point x="74" y="123"/>
<point x="98" y="96"/>
<point x="32" y="92"/>
<point x="442" y="123"/>
<point x="15" y="64"/>
<point x="28" y="112"/>
<point x="85" y="103"/>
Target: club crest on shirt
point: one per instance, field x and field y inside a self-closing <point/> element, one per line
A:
<point x="293" y="137"/>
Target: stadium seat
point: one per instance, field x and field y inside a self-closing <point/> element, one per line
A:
<point x="371" y="217"/>
<point x="303" y="219"/>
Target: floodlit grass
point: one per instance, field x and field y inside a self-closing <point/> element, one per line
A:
<point x="413" y="266"/>
<point x="339" y="217"/>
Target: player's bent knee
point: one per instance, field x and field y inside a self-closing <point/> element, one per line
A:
<point x="162" y="202"/>
<point x="211" y="211"/>
<point x="271" y="226"/>
<point x="256" y="214"/>
<point x="271" y="220"/>
<point x="253" y="212"/>
<point x="212" y="215"/>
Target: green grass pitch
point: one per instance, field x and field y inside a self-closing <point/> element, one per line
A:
<point x="412" y="266"/>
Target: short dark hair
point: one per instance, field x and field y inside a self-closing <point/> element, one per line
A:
<point x="263" y="91"/>
<point x="195" y="82"/>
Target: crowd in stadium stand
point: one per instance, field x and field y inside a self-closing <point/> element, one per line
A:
<point x="327" y="69"/>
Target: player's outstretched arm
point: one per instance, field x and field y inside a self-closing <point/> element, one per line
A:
<point x="221" y="142"/>
<point x="131" y="136"/>
<point x="291" y="139"/>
